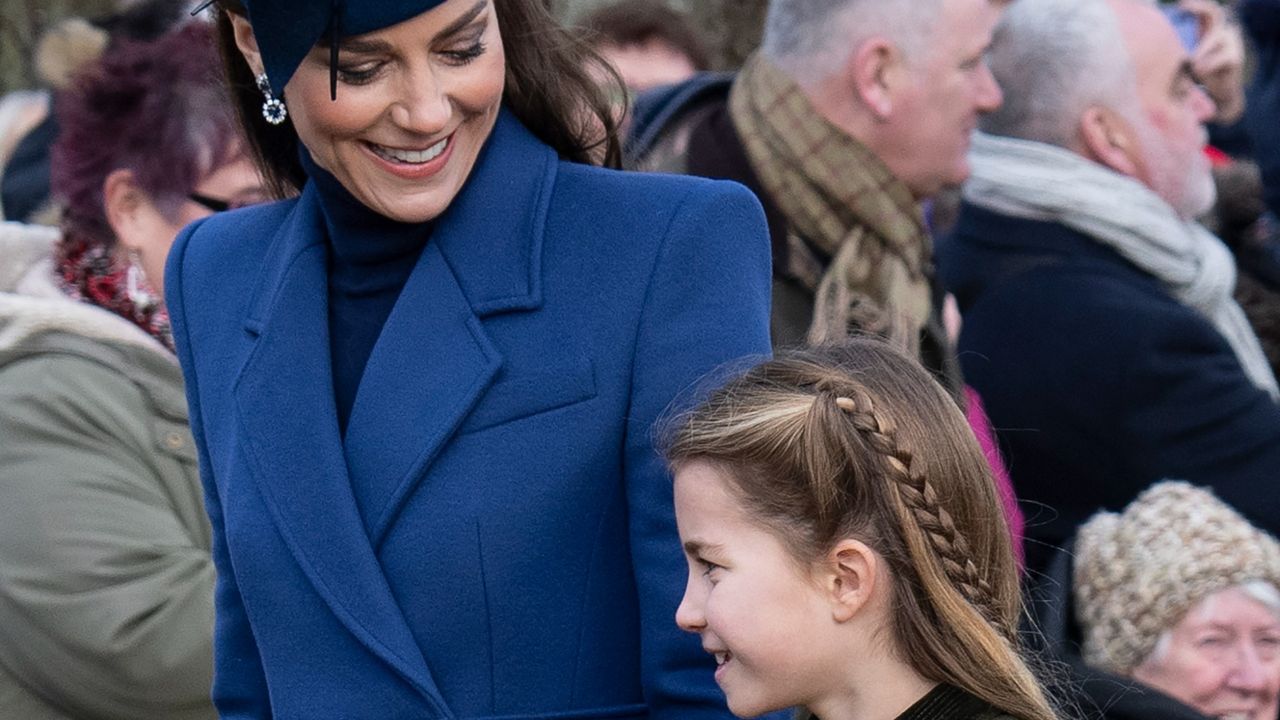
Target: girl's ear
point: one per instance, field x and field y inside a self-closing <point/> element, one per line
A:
<point x="853" y="571"/>
<point x="247" y="42"/>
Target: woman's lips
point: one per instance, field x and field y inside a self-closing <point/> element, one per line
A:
<point x="412" y="164"/>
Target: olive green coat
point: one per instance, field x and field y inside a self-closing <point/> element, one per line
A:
<point x="106" y="581"/>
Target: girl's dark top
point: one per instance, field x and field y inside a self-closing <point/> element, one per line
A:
<point x="370" y="259"/>
<point x="947" y="702"/>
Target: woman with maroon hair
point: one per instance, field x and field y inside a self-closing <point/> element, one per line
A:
<point x="106" y="603"/>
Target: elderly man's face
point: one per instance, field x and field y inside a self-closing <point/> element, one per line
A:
<point x="1222" y="658"/>
<point x="949" y="86"/>
<point x="1170" y="132"/>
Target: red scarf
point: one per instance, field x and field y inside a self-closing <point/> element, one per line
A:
<point x="90" y="272"/>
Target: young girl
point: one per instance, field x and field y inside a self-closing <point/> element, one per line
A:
<point x="847" y="552"/>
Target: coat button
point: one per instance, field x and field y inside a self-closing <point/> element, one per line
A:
<point x="174" y="441"/>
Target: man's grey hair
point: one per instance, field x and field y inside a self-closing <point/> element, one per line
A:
<point x="1054" y="59"/>
<point x="811" y="39"/>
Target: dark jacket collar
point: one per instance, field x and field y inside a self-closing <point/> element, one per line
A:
<point x="987" y="248"/>
<point x="493" y="245"/>
<point x="657" y="109"/>
<point x="1096" y="693"/>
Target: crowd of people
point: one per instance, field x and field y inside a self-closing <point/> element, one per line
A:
<point x="442" y="359"/>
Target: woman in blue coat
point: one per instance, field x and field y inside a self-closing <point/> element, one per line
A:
<point x="423" y="390"/>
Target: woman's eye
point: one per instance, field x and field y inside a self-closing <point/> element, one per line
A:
<point x="359" y="74"/>
<point x="708" y="567"/>
<point x="465" y="55"/>
<point x="1211" y="641"/>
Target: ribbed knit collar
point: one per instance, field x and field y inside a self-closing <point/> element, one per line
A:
<point x="947" y="702"/>
<point x="358" y="236"/>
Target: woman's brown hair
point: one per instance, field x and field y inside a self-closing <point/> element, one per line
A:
<point x="857" y="441"/>
<point x="549" y="87"/>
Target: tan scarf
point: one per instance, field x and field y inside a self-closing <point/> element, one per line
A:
<point x="840" y="198"/>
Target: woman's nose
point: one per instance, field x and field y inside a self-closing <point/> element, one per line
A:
<point x="1248" y="671"/>
<point x="423" y="107"/>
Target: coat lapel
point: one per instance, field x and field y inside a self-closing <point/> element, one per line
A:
<point x="433" y="361"/>
<point x="284" y="400"/>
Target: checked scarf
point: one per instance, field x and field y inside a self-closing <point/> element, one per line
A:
<point x="855" y="229"/>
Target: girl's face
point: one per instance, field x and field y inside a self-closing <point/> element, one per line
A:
<point x="416" y="102"/>
<point x="768" y="623"/>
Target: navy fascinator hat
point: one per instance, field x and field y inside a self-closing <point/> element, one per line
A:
<point x="286" y="30"/>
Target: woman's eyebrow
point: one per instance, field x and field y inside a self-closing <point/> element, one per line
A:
<point x="364" y="46"/>
<point x="465" y="20"/>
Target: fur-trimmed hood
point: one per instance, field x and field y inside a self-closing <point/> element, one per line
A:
<point x="31" y="304"/>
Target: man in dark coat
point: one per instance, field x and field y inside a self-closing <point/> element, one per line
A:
<point x="1098" y="320"/>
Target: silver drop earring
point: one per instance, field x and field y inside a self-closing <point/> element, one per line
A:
<point x="135" y="286"/>
<point x="273" y="110"/>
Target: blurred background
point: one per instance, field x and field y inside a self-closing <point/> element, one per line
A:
<point x="731" y="28"/>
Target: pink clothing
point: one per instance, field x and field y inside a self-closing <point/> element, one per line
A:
<point x="982" y="429"/>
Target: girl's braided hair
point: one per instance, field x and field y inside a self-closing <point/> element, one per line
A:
<point x="858" y="441"/>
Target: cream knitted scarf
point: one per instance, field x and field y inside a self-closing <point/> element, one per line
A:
<point x="1042" y="182"/>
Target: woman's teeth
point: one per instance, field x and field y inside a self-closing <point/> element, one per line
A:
<point x="410" y="157"/>
<point x="722" y="658"/>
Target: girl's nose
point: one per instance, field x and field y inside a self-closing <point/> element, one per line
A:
<point x="689" y="614"/>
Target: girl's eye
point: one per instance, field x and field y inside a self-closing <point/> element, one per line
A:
<point x="708" y="567"/>
<point x="359" y="74"/>
<point x="465" y="55"/>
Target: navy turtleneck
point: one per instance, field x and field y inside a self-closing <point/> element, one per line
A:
<point x="370" y="259"/>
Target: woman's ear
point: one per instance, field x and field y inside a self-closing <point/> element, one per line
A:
<point x="125" y="205"/>
<point x="247" y="42"/>
<point x="1110" y="141"/>
<point x="853" y="572"/>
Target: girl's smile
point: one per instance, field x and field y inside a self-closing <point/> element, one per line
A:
<point x="766" y="622"/>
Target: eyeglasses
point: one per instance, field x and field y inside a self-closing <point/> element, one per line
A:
<point x="217" y="204"/>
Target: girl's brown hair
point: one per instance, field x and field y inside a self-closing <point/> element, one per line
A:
<point x="549" y="87"/>
<point x="857" y="441"/>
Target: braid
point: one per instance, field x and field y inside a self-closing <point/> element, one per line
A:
<point x="856" y="442"/>
<point x="921" y="501"/>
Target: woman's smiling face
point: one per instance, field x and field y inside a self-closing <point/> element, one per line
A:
<point x="415" y="103"/>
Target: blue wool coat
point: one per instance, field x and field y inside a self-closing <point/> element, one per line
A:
<point x="494" y="536"/>
<point x="1098" y="381"/>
